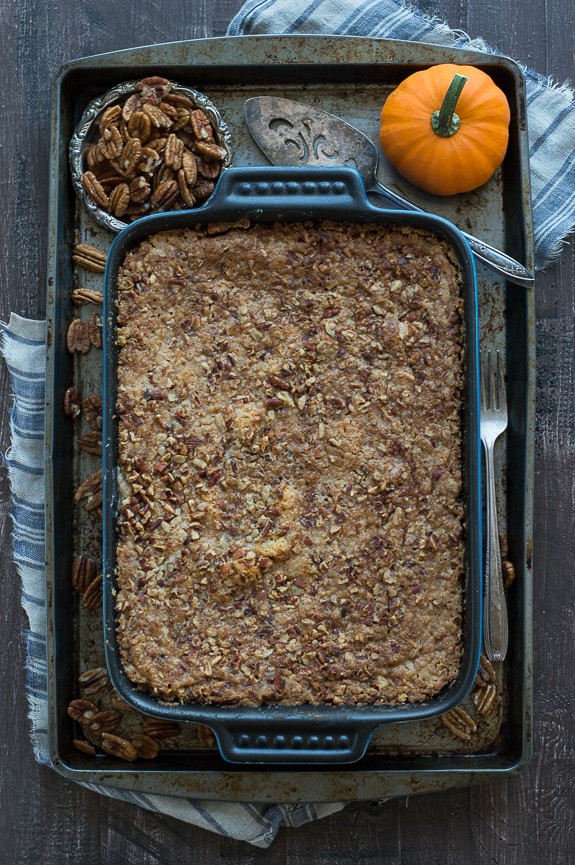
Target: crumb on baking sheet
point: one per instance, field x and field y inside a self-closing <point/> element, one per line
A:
<point x="289" y="404"/>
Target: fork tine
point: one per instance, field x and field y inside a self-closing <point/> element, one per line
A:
<point x="501" y="393"/>
<point x="482" y="380"/>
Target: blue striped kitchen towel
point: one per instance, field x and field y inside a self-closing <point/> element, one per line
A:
<point x="550" y="107"/>
<point x="23" y="345"/>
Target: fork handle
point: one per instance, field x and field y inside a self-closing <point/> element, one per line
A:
<point x="495" y="625"/>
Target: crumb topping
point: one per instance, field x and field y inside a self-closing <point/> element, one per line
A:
<point x="289" y="410"/>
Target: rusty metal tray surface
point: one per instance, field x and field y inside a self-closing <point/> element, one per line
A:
<point x="349" y="77"/>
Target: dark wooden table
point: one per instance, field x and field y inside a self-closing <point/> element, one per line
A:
<point x="527" y="819"/>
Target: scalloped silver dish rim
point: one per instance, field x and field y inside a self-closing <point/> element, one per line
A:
<point x="92" y="112"/>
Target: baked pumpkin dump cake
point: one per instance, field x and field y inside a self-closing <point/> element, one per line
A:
<point x="291" y="515"/>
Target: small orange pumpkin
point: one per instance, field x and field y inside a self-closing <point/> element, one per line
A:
<point x="446" y="128"/>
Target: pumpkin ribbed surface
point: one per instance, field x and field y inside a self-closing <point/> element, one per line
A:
<point x="445" y="165"/>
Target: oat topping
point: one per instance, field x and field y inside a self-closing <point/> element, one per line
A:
<point x="289" y="404"/>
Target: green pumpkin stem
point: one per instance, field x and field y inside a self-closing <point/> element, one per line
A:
<point x="445" y="122"/>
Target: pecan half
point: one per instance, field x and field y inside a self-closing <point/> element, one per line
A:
<point x="91" y="442"/>
<point x="160" y="728"/>
<point x="78" y="337"/>
<point x="485" y="673"/>
<point x="109" y="181"/>
<point x="178" y="99"/>
<point x="118" y="747"/>
<point x="89" y="257"/>
<point x="211" y="150"/>
<point x="169" y="110"/>
<point x="72" y="399"/>
<point x="83" y="572"/>
<point x="82" y="711"/>
<point x="201" y="126"/>
<point x="484" y="699"/>
<point x="139" y="188"/>
<point x="189" y="167"/>
<point x="131" y="104"/>
<point x="150" y="160"/>
<point x="165" y="194"/>
<point x="92" y="408"/>
<point x="159" y="140"/>
<point x="94" y="503"/>
<point x="131" y="155"/>
<point x="119" y="199"/>
<point x="146" y="747"/>
<point x="163" y="173"/>
<point x="111" y="143"/>
<point x="459" y="723"/>
<point x="104" y="721"/>
<point x="140" y="126"/>
<point x="110" y="117"/>
<point x="202" y="190"/>
<point x="184" y="188"/>
<point x="84" y="747"/>
<point x="94" y="680"/>
<point x="86" y="295"/>
<point x="157" y="116"/>
<point x="154" y="85"/>
<point x="120" y="704"/>
<point x="181" y="119"/>
<point x="94" y="189"/>
<point x="205" y="736"/>
<point x="94" y="157"/>
<point x="90" y="486"/>
<point x="208" y="169"/>
<point x="92" y="595"/>
<point x="173" y="152"/>
<point x="95" y="331"/>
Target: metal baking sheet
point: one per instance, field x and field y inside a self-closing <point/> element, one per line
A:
<point x="349" y="77"/>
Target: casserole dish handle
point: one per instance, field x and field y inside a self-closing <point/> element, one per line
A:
<point x="310" y="192"/>
<point x="292" y="741"/>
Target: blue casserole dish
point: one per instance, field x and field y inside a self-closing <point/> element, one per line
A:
<point x="278" y="733"/>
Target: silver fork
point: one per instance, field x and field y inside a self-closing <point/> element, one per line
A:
<point x="493" y="421"/>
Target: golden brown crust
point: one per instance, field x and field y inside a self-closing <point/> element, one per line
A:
<point x="290" y="454"/>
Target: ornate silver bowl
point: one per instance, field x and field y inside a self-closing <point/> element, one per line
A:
<point x="85" y="134"/>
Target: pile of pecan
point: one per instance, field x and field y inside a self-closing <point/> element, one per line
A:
<point x="156" y="151"/>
